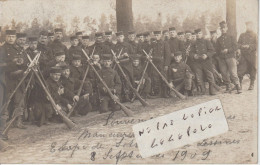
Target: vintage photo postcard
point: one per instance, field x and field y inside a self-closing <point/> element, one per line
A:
<point x="129" y="81"/>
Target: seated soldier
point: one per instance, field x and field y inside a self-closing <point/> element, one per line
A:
<point x="59" y="57"/>
<point x="71" y="86"/>
<point x="57" y="91"/>
<point x="74" y="49"/>
<point x="180" y="75"/>
<point x="145" y="84"/>
<point x="111" y="78"/>
<point x="77" y="69"/>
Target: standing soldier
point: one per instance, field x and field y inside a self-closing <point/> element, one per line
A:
<point x="181" y="36"/>
<point x="146" y="45"/>
<point x="248" y="45"/>
<point x="140" y="38"/>
<point x="74" y="41"/>
<point x="202" y="51"/>
<point x="85" y="43"/>
<point x="50" y="37"/>
<point x="32" y="49"/>
<point x="193" y="37"/>
<point x="113" y="82"/>
<point x="161" y="59"/>
<point x="188" y="44"/>
<point x="174" y="43"/>
<point x="226" y="47"/>
<point x="108" y="40"/>
<point x="131" y="41"/>
<point x="166" y="35"/>
<point x="21" y="40"/>
<point x="57" y="45"/>
<point x="100" y="47"/>
<point x="79" y="36"/>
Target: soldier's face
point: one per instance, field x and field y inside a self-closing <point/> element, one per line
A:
<point x="188" y="36"/>
<point x="108" y="37"/>
<point x="74" y="42"/>
<point x="173" y="33"/>
<point x="141" y="38"/>
<point x="136" y="63"/>
<point x="76" y="63"/>
<point x="51" y="38"/>
<point x="55" y="76"/>
<point x="10" y="39"/>
<point x="33" y="45"/>
<point x="177" y="58"/>
<point x="147" y="38"/>
<point x="120" y="38"/>
<point x="107" y="63"/>
<point x="181" y="37"/>
<point x="60" y="58"/>
<point x="199" y="35"/>
<point x="224" y="29"/>
<point x="158" y="36"/>
<point x="131" y="37"/>
<point x="43" y="40"/>
<point x="85" y="42"/>
<point x="21" y="41"/>
<point x="66" y="72"/>
<point x="58" y="35"/>
<point x="214" y="35"/>
<point x="99" y="39"/>
<point x="95" y="58"/>
<point x="193" y="37"/>
<point x="79" y="37"/>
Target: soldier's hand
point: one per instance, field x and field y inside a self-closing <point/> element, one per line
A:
<point x="196" y="56"/>
<point x="86" y="96"/>
<point x="143" y="81"/>
<point x="171" y="84"/>
<point x="69" y="106"/>
<point x="117" y="98"/>
<point x="76" y="98"/>
<point x="204" y="56"/>
<point x="125" y="55"/>
<point x="105" y="89"/>
<point x="225" y="51"/>
<point x="174" y="70"/>
<point x="58" y="107"/>
<point x="18" y="72"/>
<point x="165" y="68"/>
<point x="137" y="82"/>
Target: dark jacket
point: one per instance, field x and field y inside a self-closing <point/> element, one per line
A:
<point x="226" y="41"/>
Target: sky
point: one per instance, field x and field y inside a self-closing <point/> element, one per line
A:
<point x="26" y="10"/>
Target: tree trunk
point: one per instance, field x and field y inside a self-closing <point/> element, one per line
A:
<point x="124" y="15"/>
<point x="231" y="17"/>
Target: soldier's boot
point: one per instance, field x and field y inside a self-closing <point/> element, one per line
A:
<point x="228" y="88"/>
<point x="238" y="89"/>
<point x="212" y="90"/>
<point x="240" y="81"/>
<point x="19" y="123"/>
<point x="251" y="87"/>
<point x="202" y="89"/>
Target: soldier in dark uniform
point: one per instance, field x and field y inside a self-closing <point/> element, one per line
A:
<point x="202" y="51"/>
<point x="32" y="49"/>
<point x="85" y="43"/>
<point x="138" y="69"/>
<point x="174" y="43"/>
<point x="226" y="47"/>
<point x="248" y="45"/>
<point x="57" y="45"/>
<point x="181" y="36"/>
<point x="146" y="46"/>
<point x="112" y="79"/>
<point x="131" y="41"/>
<point x="161" y="59"/>
<point x="50" y="37"/>
<point x="74" y="41"/>
<point x="77" y="69"/>
<point x="108" y="40"/>
<point x="181" y="74"/>
<point x="79" y="36"/>
<point x="166" y="35"/>
<point x="100" y="47"/>
<point x="21" y="39"/>
<point x="193" y="37"/>
<point x="72" y="85"/>
<point x="188" y="44"/>
<point x="140" y="38"/>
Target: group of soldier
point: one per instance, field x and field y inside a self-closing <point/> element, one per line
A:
<point x="186" y="59"/>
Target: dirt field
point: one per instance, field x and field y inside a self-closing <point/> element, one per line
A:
<point x="98" y="140"/>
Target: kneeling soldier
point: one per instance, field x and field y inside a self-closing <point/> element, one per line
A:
<point x="112" y="79"/>
<point x="180" y="75"/>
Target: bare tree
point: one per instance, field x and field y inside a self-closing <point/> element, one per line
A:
<point x="231" y="17"/>
<point x="124" y="15"/>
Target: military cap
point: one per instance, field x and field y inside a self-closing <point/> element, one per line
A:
<point x="44" y="33"/>
<point x="165" y="31"/>
<point x="180" y="33"/>
<point x="50" y="34"/>
<point x="55" y="69"/>
<point x="107" y="57"/>
<point x="63" y="65"/>
<point x="178" y="53"/>
<point x="157" y="32"/>
<point x="76" y="57"/>
<point x="21" y="35"/>
<point x="135" y="56"/>
<point x="79" y="33"/>
<point x="119" y="33"/>
<point x="193" y="33"/>
<point x="172" y="28"/>
<point x="108" y="33"/>
<point x="31" y="39"/>
<point x="73" y="38"/>
<point x="85" y="37"/>
<point x="131" y="32"/>
<point x="10" y="32"/>
<point x="197" y="30"/>
<point x="222" y="24"/>
<point x="139" y="34"/>
<point x="58" y="30"/>
<point x="146" y="34"/>
<point x="213" y="31"/>
<point x="188" y="31"/>
<point x="99" y="34"/>
<point x="59" y="53"/>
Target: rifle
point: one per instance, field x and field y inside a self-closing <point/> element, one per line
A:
<point x="181" y="96"/>
<point x="127" y="111"/>
<point x="65" y="119"/>
<point x="27" y="71"/>
<point x="118" y="57"/>
<point x="187" y="51"/>
<point x="14" y="116"/>
<point x="142" y="101"/>
<point x="140" y="82"/>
